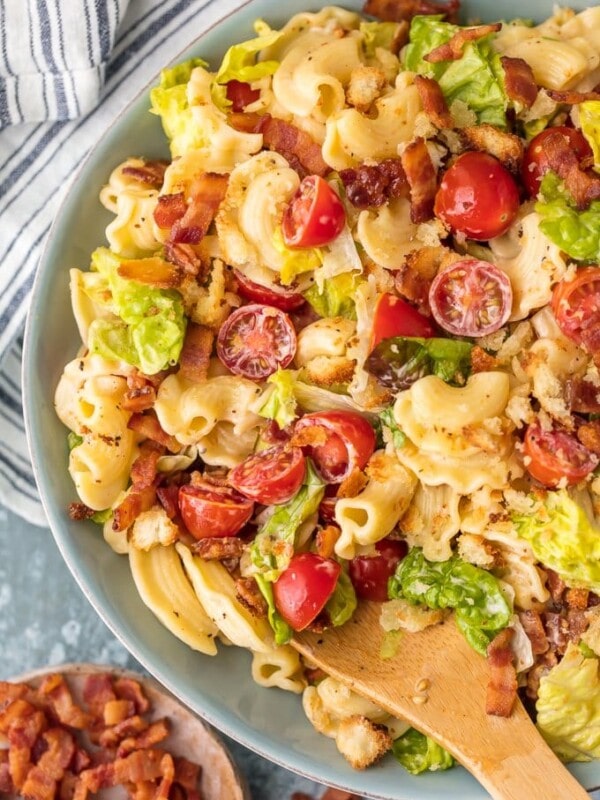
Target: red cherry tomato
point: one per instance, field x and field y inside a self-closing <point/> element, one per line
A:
<point x="554" y="455"/>
<point x="395" y="317"/>
<point x="576" y="306"/>
<point x="349" y="442"/>
<point x="209" y="510"/>
<point x="277" y="296"/>
<point x="470" y="298"/>
<point x="303" y="589"/>
<point x="255" y="340"/>
<point x="535" y="162"/>
<point x="270" y="476"/>
<point x="370" y="574"/>
<point x="315" y="215"/>
<point x="477" y="196"/>
<point x="241" y="94"/>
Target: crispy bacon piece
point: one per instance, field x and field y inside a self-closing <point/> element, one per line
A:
<point x="97" y="691"/>
<point x="534" y="628"/>
<point x="422" y="179"/>
<point x="153" y="271"/>
<point x="116" y="711"/>
<point x="79" y="511"/>
<point x="6" y="784"/>
<point x="416" y="274"/>
<point x="141" y="393"/>
<point x="452" y="50"/>
<point x="22" y="723"/>
<point x="557" y="629"/>
<point x="169" y="208"/>
<point x="131" y="690"/>
<point x="246" y="121"/>
<point x="217" y="548"/>
<point x="147" y="425"/>
<point x="42" y="778"/>
<point x="151" y="173"/>
<point x="556" y="585"/>
<point x="325" y="540"/>
<point x="297" y="146"/>
<point x="372" y="185"/>
<point x="583" y="397"/>
<point x="10" y="692"/>
<point x="571" y="97"/>
<point x="502" y="686"/>
<point x="519" y="82"/>
<point x="138" y="767"/>
<point x="506" y="147"/>
<point x="206" y="195"/>
<point x="482" y="361"/>
<point x="55" y="689"/>
<point x="249" y="595"/>
<point x="399" y="10"/>
<point x="185" y="257"/>
<point x="563" y="160"/>
<point x="195" y="353"/>
<point x="433" y="102"/>
<point x="135" y="502"/>
<point x="150" y="736"/>
<point x="589" y="435"/>
<point x="143" y="469"/>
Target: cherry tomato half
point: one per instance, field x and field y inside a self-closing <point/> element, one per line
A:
<point x="209" y="510"/>
<point x="255" y="340"/>
<point x="349" y="442"/>
<point x="241" y="94"/>
<point x="556" y="454"/>
<point x="370" y="574"/>
<point x="477" y="196"/>
<point x="277" y="296"/>
<point x="395" y="317"/>
<point x="315" y="215"/>
<point x="303" y="589"/>
<point x="270" y="476"/>
<point x="470" y="298"/>
<point x="535" y="163"/>
<point x="576" y="306"/>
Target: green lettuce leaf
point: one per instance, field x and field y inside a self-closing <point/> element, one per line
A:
<point x="336" y="297"/>
<point x="378" y="34"/>
<point x="418" y="753"/>
<point x="575" y="232"/>
<point x="563" y="539"/>
<point x="481" y="609"/>
<point x="74" y="440"/>
<point x="342" y="603"/>
<point x="281" y="404"/>
<point x="282" y="631"/>
<point x="568" y="707"/>
<point x="427" y="33"/>
<point x="589" y="119"/>
<point x="149" y="324"/>
<point x="240" y="64"/>
<point x="274" y="543"/>
<point x="400" y="361"/>
<point x="100" y="517"/>
<point x="295" y="261"/>
<point x="169" y="102"/>
<point x="394" y="433"/>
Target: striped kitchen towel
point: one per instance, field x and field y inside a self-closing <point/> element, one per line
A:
<point x="67" y="68"/>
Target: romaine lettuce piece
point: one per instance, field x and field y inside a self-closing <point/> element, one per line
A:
<point x="169" y="101"/>
<point x="589" y="119"/>
<point x="378" y="34"/>
<point x="281" y="404"/>
<point x="575" y="232"/>
<point x="568" y="707"/>
<point x="295" y="262"/>
<point x="418" y="753"/>
<point x="336" y="297"/>
<point x="282" y="631"/>
<point x="394" y="432"/>
<point x="149" y="324"/>
<point x="481" y="608"/>
<point x="563" y="539"/>
<point x="426" y="33"/>
<point x="342" y="603"/>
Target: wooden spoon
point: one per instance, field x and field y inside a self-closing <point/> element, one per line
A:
<point x="437" y="683"/>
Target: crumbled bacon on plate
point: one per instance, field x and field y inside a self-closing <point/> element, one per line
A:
<point x="502" y="686"/>
<point x="371" y="185"/>
<point x="519" y="82"/>
<point x="195" y="353"/>
<point x="452" y="50"/>
<point x="433" y="101"/>
<point x="400" y="10"/>
<point x="422" y="180"/>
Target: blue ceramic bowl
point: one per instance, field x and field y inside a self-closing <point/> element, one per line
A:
<point x="220" y="689"/>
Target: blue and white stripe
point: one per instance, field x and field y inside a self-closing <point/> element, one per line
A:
<point x="66" y="71"/>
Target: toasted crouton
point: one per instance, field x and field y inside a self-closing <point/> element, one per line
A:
<point x="365" y="86"/>
<point x="479" y="551"/>
<point x="506" y="147"/>
<point x="361" y="741"/>
<point x="153" y="528"/>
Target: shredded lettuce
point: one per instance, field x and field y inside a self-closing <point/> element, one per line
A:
<point x="100" y="517"/>
<point x="295" y="262"/>
<point x="336" y="297"/>
<point x="273" y="546"/>
<point x="476" y="79"/>
<point x="281" y="404"/>
<point x="282" y="631"/>
<point x="589" y="119"/>
<point x="481" y="608"/>
<point x="575" y="232"/>
<point x="378" y="34"/>
<point x="74" y="440"/>
<point x="568" y="707"/>
<point x="148" y="326"/>
<point x="169" y="101"/>
<point x="563" y="539"/>
<point x="418" y="753"/>
<point x="342" y="603"/>
<point x="240" y="64"/>
<point x="391" y="429"/>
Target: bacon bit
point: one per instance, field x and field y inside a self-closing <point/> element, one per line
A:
<point x="195" y="353"/>
<point x="537" y="672"/>
<point x="339" y="794"/>
<point x="133" y="504"/>
<point x="370" y="185"/>
<point x="325" y="540"/>
<point x="150" y="736"/>
<point x="297" y="146"/>
<point x="415" y="276"/>
<point x="353" y="484"/>
<point x="519" y="82"/>
<point x="6" y="784"/>
<point x="556" y="585"/>
<point x="153" y="271"/>
<point x="571" y="97"/>
<point x="557" y="629"/>
<point x="452" y="50"/>
<point x="169" y="208"/>
<point x="577" y="624"/>
<point x="43" y="777"/>
<point x="433" y="102"/>
<point x="141" y="393"/>
<point x="534" y="628"/>
<point x="9" y="692"/>
<point x="562" y="159"/>
<point x="131" y="690"/>
<point x="582" y="396"/>
<point x="110" y="737"/>
<point x="79" y="511"/>
<point x="502" y="686"/>
<point x="143" y="469"/>
<point x="151" y="173"/>
<point x="147" y="425"/>
<point x="422" y="180"/>
<point x="216" y="548"/>
<point x="482" y="361"/>
<point x="577" y="598"/>
<point x="400" y="10"/>
<point x="168" y="497"/>
<point x="206" y="195"/>
<point x="55" y="689"/>
<point x="589" y="436"/>
<point x="97" y="691"/>
<point x="116" y="711"/>
<point x="506" y="147"/>
<point x="138" y="767"/>
<point x="184" y="256"/>
<point x="250" y="596"/>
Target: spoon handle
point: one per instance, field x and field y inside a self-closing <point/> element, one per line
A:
<point x="438" y="683"/>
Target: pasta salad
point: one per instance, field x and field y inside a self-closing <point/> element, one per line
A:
<point x="343" y="346"/>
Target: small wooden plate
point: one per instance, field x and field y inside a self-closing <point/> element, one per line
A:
<point x="190" y="736"/>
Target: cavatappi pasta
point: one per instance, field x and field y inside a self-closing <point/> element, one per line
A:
<point x="306" y="362"/>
